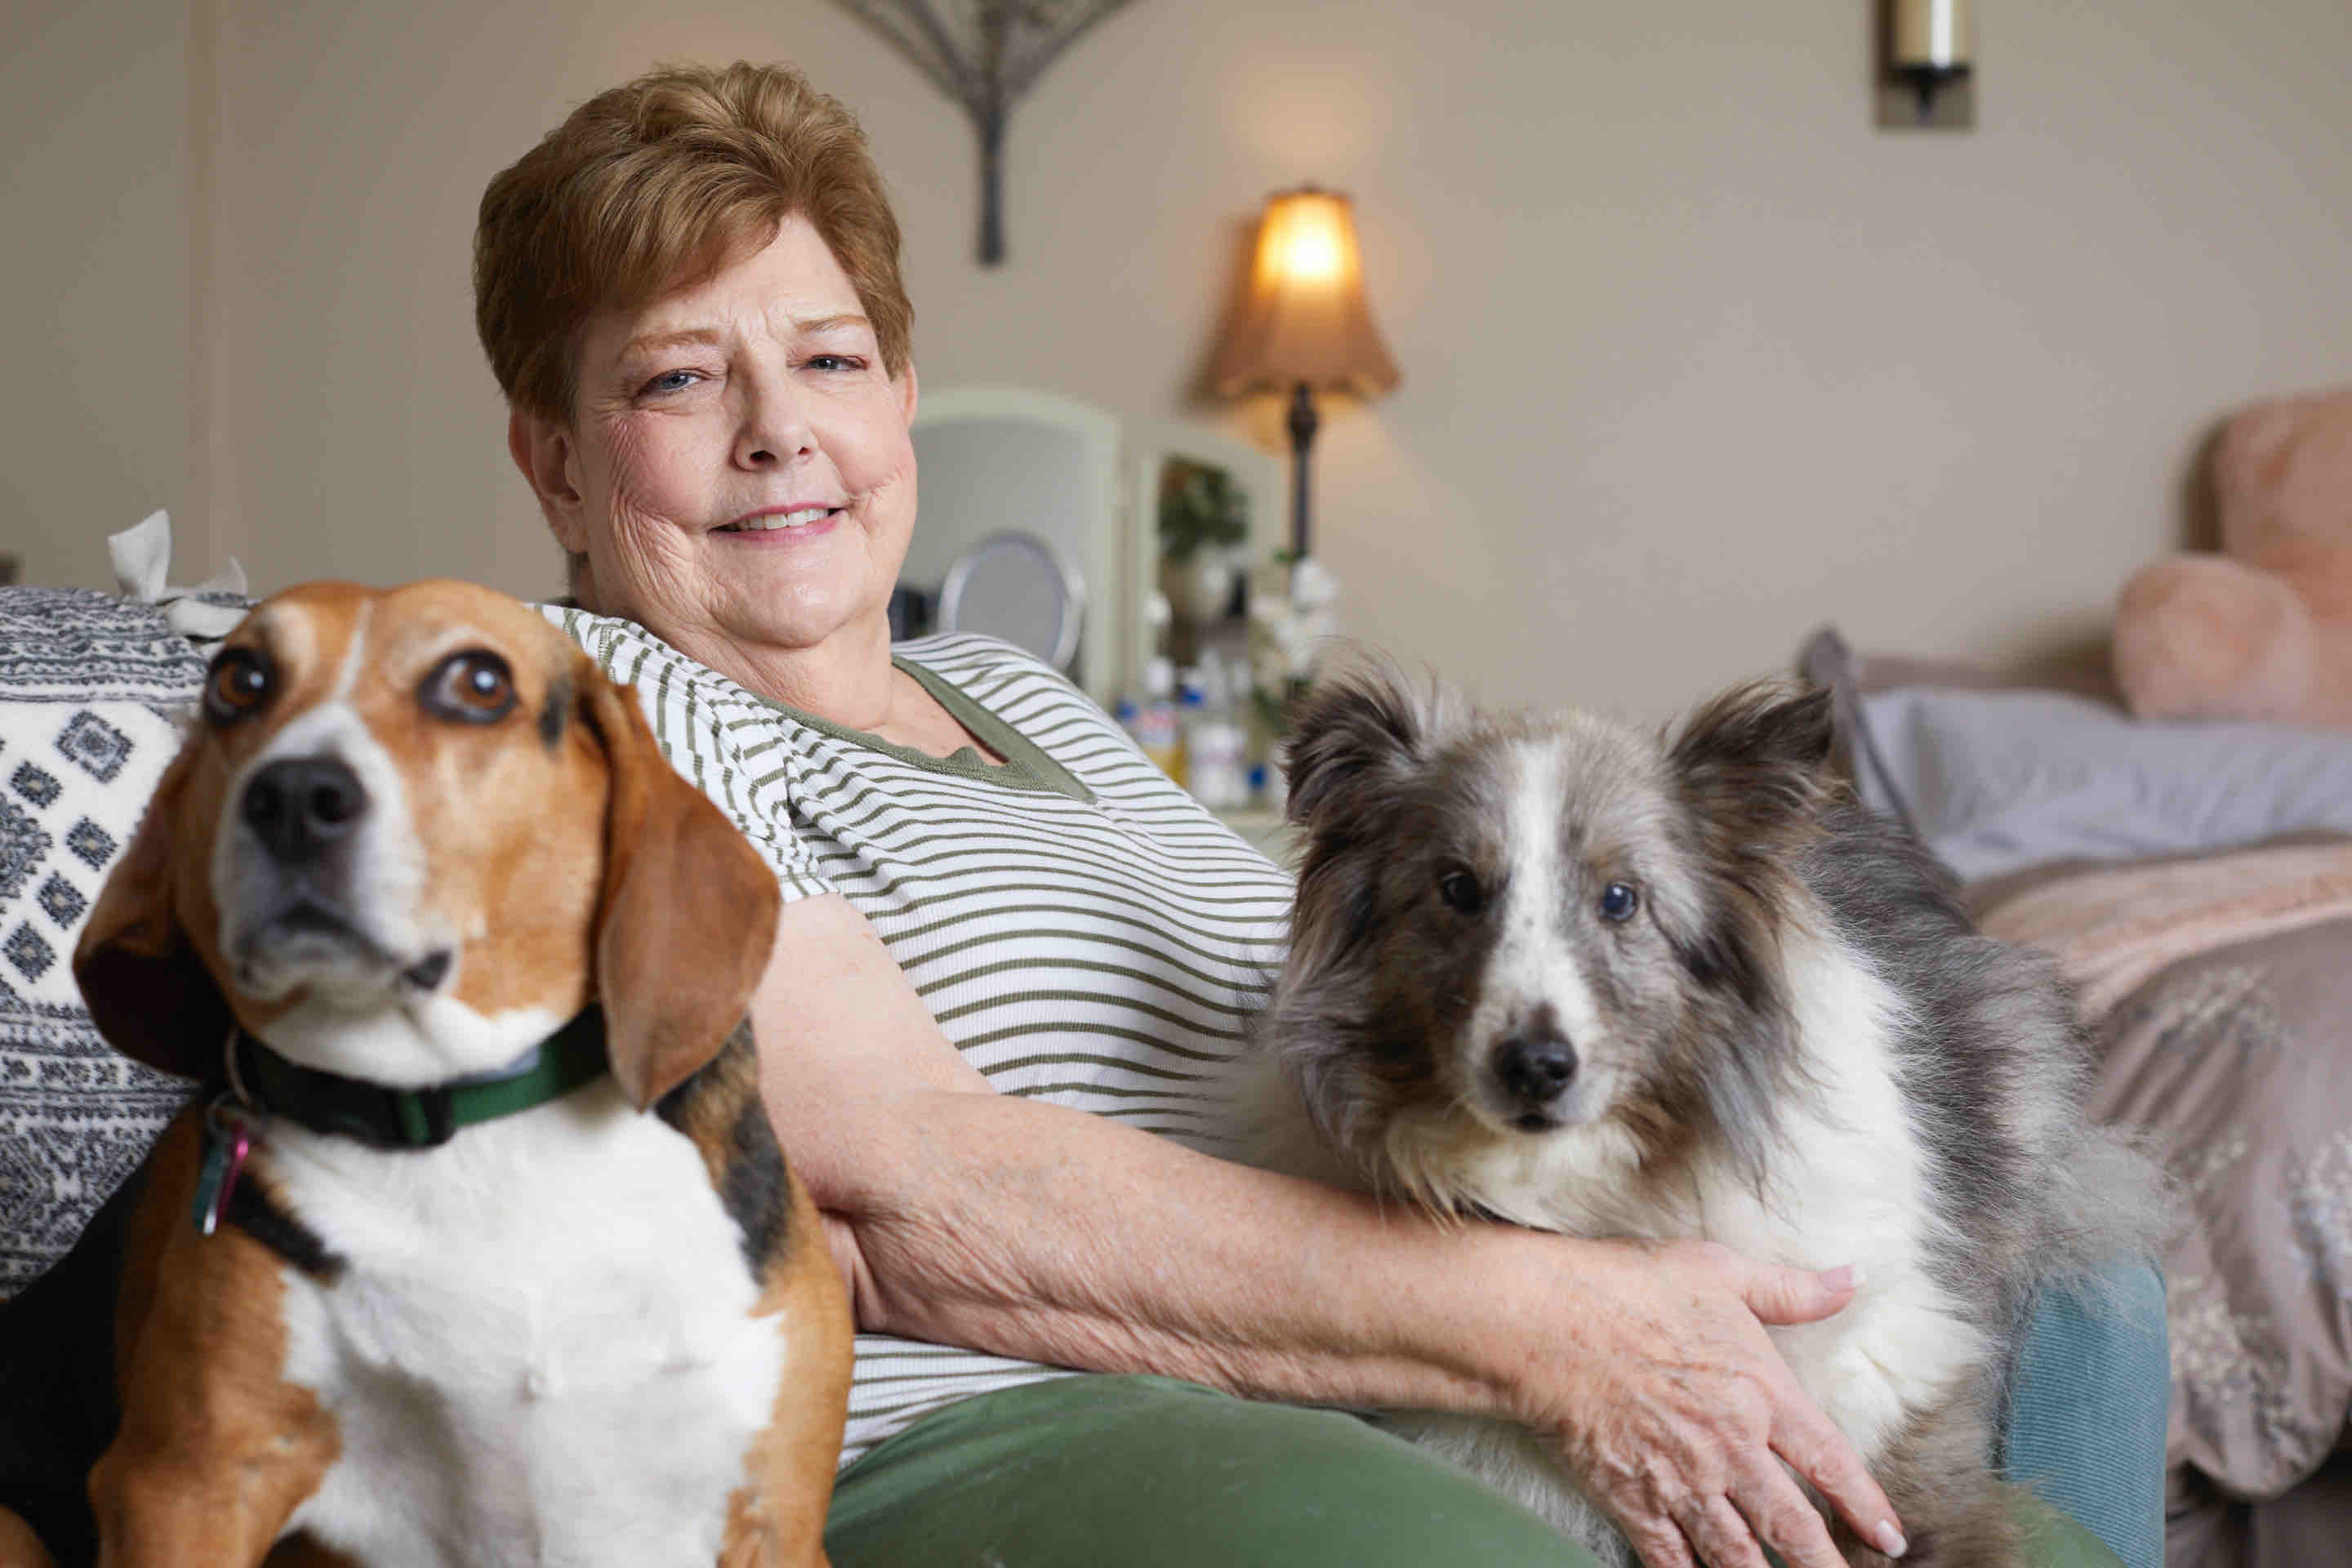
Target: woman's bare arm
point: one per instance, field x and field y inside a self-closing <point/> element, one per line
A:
<point x="964" y="1217"/>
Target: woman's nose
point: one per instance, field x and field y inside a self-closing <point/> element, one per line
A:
<point x="776" y="429"/>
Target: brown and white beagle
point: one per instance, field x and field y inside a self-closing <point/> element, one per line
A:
<point x="477" y="1247"/>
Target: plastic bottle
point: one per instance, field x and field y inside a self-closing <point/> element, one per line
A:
<point x="1215" y="768"/>
<point x="1154" y="724"/>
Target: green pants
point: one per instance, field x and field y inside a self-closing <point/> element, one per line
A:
<point x="1145" y="1472"/>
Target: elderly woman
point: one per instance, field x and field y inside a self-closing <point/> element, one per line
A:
<point x="1012" y="956"/>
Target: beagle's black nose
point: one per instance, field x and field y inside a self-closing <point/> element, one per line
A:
<point x="300" y="805"/>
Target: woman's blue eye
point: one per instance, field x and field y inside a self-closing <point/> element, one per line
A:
<point x="832" y="362"/>
<point x="671" y="380"/>
<point x="1618" y="901"/>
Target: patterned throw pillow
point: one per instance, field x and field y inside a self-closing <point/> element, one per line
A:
<point x="92" y="689"/>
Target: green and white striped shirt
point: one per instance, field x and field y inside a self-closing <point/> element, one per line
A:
<point x="1084" y="932"/>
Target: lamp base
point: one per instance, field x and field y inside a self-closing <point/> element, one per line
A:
<point x="1304" y="422"/>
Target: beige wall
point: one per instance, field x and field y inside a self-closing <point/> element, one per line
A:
<point x="1694" y="357"/>
<point x="93" y="277"/>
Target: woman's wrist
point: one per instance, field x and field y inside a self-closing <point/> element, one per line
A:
<point x="1518" y="1318"/>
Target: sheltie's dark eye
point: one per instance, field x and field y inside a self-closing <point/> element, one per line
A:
<point x="1618" y="901"/>
<point x="1461" y="891"/>
<point x="239" y="683"/>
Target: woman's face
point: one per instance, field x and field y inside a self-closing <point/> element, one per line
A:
<point x="738" y="465"/>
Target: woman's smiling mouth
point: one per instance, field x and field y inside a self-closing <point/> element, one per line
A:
<point x="797" y="516"/>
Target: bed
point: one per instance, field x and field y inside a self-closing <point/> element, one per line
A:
<point x="2195" y="884"/>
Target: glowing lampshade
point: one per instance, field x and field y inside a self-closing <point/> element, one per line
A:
<point x="1307" y="322"/>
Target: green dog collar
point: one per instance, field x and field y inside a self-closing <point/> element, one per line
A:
<point x="417" y="1118"/>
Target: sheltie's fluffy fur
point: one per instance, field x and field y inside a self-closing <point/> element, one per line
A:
<point x="1555" y="972"/>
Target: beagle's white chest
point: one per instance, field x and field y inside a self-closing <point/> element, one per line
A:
<point x="541" y="1348"/>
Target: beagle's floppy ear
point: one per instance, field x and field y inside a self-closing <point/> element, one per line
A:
<point x="146" y="987"/>
<point x="687" y="913"/>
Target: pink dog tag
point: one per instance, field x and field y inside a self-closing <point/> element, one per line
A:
<point x="228" y="1141"/>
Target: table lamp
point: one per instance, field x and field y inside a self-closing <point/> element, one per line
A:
<point x="1306" y="325"/>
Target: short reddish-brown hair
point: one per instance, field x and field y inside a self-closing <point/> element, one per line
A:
<point x="658" y="184"/>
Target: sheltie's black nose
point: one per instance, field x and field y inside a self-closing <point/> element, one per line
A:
<point x="1534" y="1064"/>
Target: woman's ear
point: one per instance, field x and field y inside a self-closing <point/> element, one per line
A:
<point x="547" y="454"/>
<point x="688" y="914"/>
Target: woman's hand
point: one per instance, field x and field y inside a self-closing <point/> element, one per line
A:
<point x="1676" y="1410"/>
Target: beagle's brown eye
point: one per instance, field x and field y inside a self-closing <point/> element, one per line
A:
<point x="474" y="688"/>
<point x="1462" y="892"/>
<point x="239" y="684"/>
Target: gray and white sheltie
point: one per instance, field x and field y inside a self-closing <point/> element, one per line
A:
<point x="1555" y="972"/>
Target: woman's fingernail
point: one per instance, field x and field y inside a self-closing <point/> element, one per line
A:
<point x="1890" y="1540"/>
<point x="1837" y="1278"/>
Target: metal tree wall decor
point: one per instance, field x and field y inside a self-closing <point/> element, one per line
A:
<point x="985" y="54"/>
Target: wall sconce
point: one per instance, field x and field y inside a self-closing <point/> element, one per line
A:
<point x="1928" y="76"/>
<point x="1306" y="325"/>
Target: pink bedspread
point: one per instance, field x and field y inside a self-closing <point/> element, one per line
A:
<point x="2113" y="930"/>
<point x="2218" y="994"/>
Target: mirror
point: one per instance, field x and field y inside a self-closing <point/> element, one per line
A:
<point x="1018" y="587"/>
<point x="994" y="461"/>
<point x="1206" y="515"/>
<point x="1087" y="485"/>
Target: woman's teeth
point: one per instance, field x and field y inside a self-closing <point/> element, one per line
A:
<point x="795" y="519"/>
